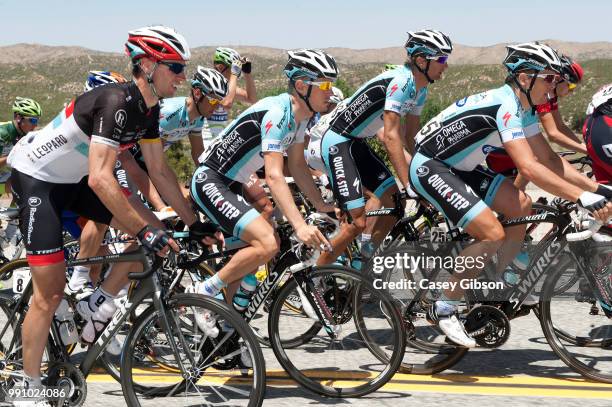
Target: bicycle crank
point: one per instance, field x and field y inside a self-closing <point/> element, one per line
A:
<point x="488" y="325"/>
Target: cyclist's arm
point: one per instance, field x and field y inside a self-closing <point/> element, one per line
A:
<point x="302" y="176"/>
<point x="413" y="123"/>
<point x="523" y="154"/>
<point x="559" y="133"/>
<point x="102" y="158"/>
<point x="232" y="86"/>
<point x="393" y="144"/>
<point x="248" y="95"/>
<point x="3" y="160"/>
<point x="165" y="180"/>
<point x="279" y="189"/>
<point x="197" y="146"/>
<point x="141" y="180"/>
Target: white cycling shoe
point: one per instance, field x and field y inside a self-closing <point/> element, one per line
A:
<point x="455" y="331"/>
<point x="205" y="319"/>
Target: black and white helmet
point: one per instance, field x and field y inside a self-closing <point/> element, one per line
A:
<point x="602" y="97"/>
<point x="311" y="63"/>
<point x="210" y="82"/>
<point x="532" y="56"/>
<point x="428" y="43"/>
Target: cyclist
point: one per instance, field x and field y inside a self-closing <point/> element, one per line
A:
<point x="99" y="78"/>
<point x="257" y="138"/>
<point x="597" y="132"/>
<point x="550" y="117"/>
<point x="69" y="165"/>
<point x="446" y="171"/>
<point x="26" y="114"/>
<point x="337" y="141"/>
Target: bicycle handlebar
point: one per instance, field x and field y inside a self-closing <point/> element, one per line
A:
<point x="592" y="226"/>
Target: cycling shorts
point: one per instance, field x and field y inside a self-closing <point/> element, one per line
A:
<point x="460" y="195"/>
<point x="212" y="193"/>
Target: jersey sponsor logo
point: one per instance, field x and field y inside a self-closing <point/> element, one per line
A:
<point x="225" y="207"/>
<point x="274" y="146"/>
<point x="456" y="129"/>
<point x="121" y="118"/>
<point x="382" y="176"/>
<point x="51" y="145"/>
<point x="456" y="200"/>
<point x="282" y="121"/>
<point x="517" y="134"/>
<point x="340" y="176"/>
<point x="357" y="107"/>
<point x="422" y="171"/>
<point x="486" y="149"/>
<point x="506" y="117"/>
<point x="332" y="150"/>
<point x="607" y="149"/>
<point x="461" y="102"/>
<point x="393" y="90"/>
<point x="484" y="184"/>
<point x="121" y="176"/>
<point x="34" y="201"/>
<point x="117" y="164"/>
<point x="356" y="184"/>
<point x="201" y="177"/>
<point x="268" y="126"/>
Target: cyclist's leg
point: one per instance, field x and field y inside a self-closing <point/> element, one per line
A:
<point x="235" y="215"/>
<point x="40" y="204"/>
<point x="256" y="195"/>
<point x="341" y="168"/>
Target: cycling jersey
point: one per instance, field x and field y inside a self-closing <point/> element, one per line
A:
<point x="215" y="124"/>
<point x="597" y="133"/>
<point x="267" y="126"/>
<point x="361" y="115"/>
<point x="463" y="134"/>
<point x="548" y="107"/>
<point x="114" y="115"/>
<point x="9" y="134"/>
<point x="451" y="146"/>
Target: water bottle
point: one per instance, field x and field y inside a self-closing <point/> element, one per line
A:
<point x="65" y="320"/>
<point x="511" y="278"/>
<point x="244" y="293"/>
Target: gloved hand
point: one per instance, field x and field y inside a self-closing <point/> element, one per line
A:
<point x="246" y="65"/>
<point x="592" y="202"/>
<point x="152" y="238"/>
<point x="237" y="67"/>
<point x="200" y="230"/>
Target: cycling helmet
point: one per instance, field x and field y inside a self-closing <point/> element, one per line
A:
<point x="572" y="71"/>
<point x="27" y="107"/>
<point x="390" y="67"/>
<point x="311" y="63"/>
<point x="603" y="97"/>
<point x="531" y="56"/>
<point x="428" y="43"/>
<point x="157" y="42"/>
<point x="98" y="78"/>
<point x="210" y="82"/>
<point x="225" y="56"/>
<point x="337" y="96"/>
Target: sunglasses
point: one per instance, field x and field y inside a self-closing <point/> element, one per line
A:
<point x="175" y="67"/>
<point x="548" y="77"/>
<point x="321" y="85"/>
<point x="212" y="100"/>
<point x="33" y="120"/>
<point x="571" y="86"/>
<point x="439" y="59"/>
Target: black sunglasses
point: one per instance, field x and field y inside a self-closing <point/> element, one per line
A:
<point x="175" y="67"/>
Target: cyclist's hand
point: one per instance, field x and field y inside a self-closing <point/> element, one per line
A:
<point x="313" y="237"/>
<point x="246" y="65"/>
<point x="596" y="204"/>
<point x="156" y="240"/>
<point x="237" y="67"/>
<point x="206" y="232"/>
<point x="605" y="191"/>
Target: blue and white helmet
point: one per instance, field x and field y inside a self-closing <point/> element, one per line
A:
<point x="99" y="78"/>
<point x="311" y="63"/>
<point x="428" y="43"/>
<point x="532" y="56"/>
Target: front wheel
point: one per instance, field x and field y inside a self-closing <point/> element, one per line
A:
<point x="198" y="369"/>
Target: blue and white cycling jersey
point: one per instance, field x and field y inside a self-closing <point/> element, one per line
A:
<point x="174" y="124"/>
<point x="361" y="115"/>
<point x="267" y="126"/>
<point x="463" y="134"/>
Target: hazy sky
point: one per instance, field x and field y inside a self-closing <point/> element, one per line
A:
<point x="103" y="25"/>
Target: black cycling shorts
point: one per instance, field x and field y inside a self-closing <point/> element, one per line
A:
<point x="41" y="205"/>
<point x="351" y="164"/>
<point x="212" y="193"/>
<point x="460" y="195"/>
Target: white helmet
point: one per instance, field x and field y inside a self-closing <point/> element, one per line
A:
<point x="428" y="43"/>
<point x="532" y="55"/>
<point x="210" y="82"/>
<point x="312" y="63"/>
<point x="337" y="96"/>
<point x="157" y="42"/>
<point x="601" y="97"/>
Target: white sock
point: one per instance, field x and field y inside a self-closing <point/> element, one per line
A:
<point x="99" y="298"/>
<point x="80" y="277"/>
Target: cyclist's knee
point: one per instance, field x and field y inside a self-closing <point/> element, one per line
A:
<point x="47" y="303"/>
<point x="493" y="233"/>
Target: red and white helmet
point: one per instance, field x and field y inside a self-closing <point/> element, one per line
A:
<point x="157" y="42"/>
<point x="603" y="96"/>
